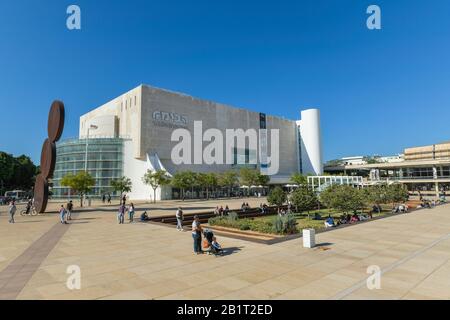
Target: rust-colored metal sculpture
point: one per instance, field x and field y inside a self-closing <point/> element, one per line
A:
<point x="48" y="155"/>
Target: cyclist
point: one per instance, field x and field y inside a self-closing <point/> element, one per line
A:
<point x="28" y="208"/>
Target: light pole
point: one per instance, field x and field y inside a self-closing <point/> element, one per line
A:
<point x="93" y="127"/>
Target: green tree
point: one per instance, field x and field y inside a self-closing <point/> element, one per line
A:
<point x="304" y="199"/>
<point x="396" y="193"/>
<point x="376" y="194"/>
<point x="344" y="198"/>
<point x="263" y="180"/>
<point x="207" y="181"/>
<point x="16" y="172"/>
<point x="248" y="176"/>
<point x="155" y="179"/>
<point x="81" y="183"/>
<point x="228" y="179"/>
<point x="299" y="179"/>
<point x="6" y="170"/>
<point x="183" y="180"/>
<point x="277" y="197"/>
<point x="121" y="185"/>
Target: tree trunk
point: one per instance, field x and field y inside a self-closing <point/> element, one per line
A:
<point x="154" y="195"/>
<point x="81" y="200"/>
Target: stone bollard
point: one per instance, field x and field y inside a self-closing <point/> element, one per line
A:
<point x="309" y="238"/>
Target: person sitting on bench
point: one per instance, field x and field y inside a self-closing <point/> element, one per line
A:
<point x="144" y="216"/>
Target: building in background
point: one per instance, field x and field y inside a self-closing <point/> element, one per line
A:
<point x="423" y="170"/>
<point x="140" y="124"/>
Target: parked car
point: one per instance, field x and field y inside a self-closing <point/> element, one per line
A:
<point x="17" y="195"/>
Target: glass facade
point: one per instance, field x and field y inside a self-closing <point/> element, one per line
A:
<point x="104" y="163"/>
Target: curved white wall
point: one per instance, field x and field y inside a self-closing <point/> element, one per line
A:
<point x="311" y="140"/>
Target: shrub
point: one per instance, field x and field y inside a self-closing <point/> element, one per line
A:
<point x="245" y="226"/>
<point x="232" y="216"/>
<point x="214" y="221"/>
<point x="286" y="224"/>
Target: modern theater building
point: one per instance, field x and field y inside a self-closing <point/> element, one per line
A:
<point x="133" y="133"/>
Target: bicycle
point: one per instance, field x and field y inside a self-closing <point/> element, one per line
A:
<point x="31" y="212"/>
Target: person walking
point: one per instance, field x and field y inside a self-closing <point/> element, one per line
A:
<point x="103" y="198"/>
<point x="109" y="198"/>
<point x="62" y="215"/>
<point x="69" y="207"/>
<point x="197" y="235"/>
<point x="12" y="211"/>
<point x="124" y="199"/>
<point x="179" y="216"/>
<point x="121" y="213"/>
<point x="131" y="212"/>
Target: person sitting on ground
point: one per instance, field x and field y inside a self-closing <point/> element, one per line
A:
<point x="329" y="222"/>
<point x="226" y="210"/>
<point x="215" y="246"/>
<point x="376" y="208"/>
<point x="216" y="211"/>
<point x="144" y="216"/>
<point x="363" y="217"/>
<point x="221" y="211"/>
<point x="354" y="218"/>
<point x="342" y="220"/>
<point x="243" y="207"/>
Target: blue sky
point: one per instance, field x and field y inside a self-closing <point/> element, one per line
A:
<point x="378" y="91"/>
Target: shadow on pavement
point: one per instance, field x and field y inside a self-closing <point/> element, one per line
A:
<point x="230" y="251"/>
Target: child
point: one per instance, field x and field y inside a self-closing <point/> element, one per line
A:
<point x="215" y="246"/>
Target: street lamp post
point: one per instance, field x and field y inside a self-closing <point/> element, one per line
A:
<point x="93" y="127"/>
<point x="87" y="144"/>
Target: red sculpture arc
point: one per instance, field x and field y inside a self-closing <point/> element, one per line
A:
<point x="55" y="129"/>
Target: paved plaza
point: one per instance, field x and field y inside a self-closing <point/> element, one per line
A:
<point x="146" y="261"/>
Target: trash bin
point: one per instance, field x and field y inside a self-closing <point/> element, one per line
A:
<point x="309" y="238"/>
